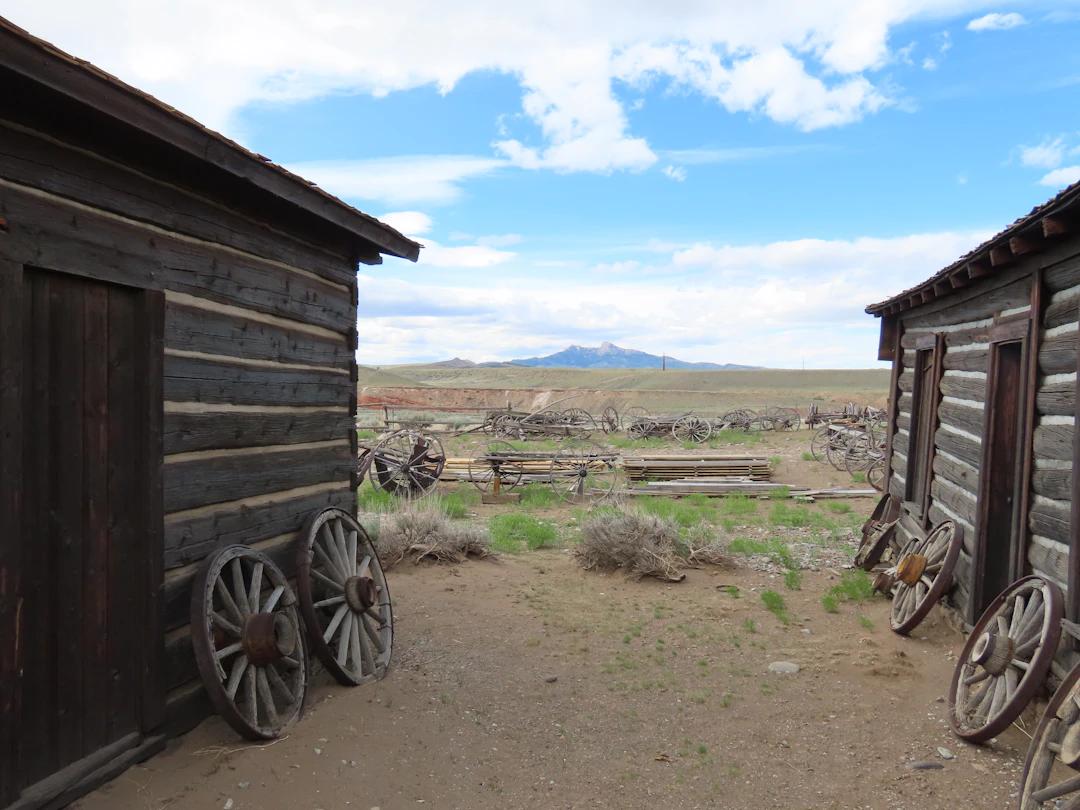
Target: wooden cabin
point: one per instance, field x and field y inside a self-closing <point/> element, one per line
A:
<point x="177" y="373"/>
<point x="983" y="405"/>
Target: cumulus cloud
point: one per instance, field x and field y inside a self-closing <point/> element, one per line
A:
<point x="676" y="173"/>
<point x="809" y="65"/>
<point x="1047" y="155"/>
<point x="996" y="21"/>
<point x="410" y="223"/>
<point x="773" y="304"/>
<point x="398" y="180"/>
<point x="1058" y="178"/>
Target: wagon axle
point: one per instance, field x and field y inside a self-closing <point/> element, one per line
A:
<point x="361" y="592"/>
<point x="268" y="637"/>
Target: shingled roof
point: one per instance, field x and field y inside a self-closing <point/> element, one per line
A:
<point x="1055" y="218"/>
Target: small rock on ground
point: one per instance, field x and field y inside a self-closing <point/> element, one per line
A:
<point x="783" y="667"/>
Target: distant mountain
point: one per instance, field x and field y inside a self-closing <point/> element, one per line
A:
<point x="608" y="355"/>
<point x="455" y="362"/>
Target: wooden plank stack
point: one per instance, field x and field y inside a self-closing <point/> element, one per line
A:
<point x="670" y="467"/>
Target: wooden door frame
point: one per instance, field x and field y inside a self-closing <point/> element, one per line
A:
<point x="1012" y="330"/>
<point x="78" y="777"/>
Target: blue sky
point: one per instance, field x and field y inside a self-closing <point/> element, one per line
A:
<point x="717" y="181"/>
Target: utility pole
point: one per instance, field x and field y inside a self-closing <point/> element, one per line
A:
<point x="663" y="362"/>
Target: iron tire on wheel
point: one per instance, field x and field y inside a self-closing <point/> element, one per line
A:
<point x="344" y="598"/>
<point x="904" y="616"/>
<point x="997" y="648"/>
<point x="269" y="653"/>
<point x="1058" y="729"/>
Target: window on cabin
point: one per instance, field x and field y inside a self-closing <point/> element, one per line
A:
<point x="923" y="419"/>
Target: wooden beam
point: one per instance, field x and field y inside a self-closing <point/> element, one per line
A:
<point x="1019" y="245"/>
<point x="977" y="269"/>
<point x="959" y="279"/>
<point x="1054" y="226"/>
<point x="942" y="287"/>
<point x="1000" y="255"/>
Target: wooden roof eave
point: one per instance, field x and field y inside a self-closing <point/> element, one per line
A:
<point x="41" y="62"/>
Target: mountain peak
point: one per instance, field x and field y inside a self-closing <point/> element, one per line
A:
<point x="608" y="355"/>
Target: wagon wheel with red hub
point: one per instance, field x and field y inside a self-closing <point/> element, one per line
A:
<point x="692" y="429"/>
<point x="248" y="642"/>
<point x="878" y="532"/>
<point x="407" y="463"/>
<point x="1006" y="658"/>
<point x="344" y="598"/>
<point x="1051" y="777"/>
<point x="923" y="575"/>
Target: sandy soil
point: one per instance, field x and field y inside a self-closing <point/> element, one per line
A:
<point x="526" y="682"/>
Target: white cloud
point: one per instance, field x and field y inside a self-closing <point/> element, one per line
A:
<point x="996" y="21"/>
<point x="772" y="304"/>
<point x="1058" y="178"/>
<point x="410" y="223"/>
<point x="676" y="173"/>
<point x="810" y="65"/>
<point x="1047" y="155"/>
<point x="500" y="240"/>
<point x="397" y="180"/>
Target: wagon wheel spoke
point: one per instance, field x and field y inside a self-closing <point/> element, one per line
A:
<point x="337" y="617"/>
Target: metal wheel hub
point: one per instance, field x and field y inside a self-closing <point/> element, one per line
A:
<point x="910" y="568"/>
<point x="993" y="652"/>
<point x="268" y="637"/>
<point x="360" y="593"/>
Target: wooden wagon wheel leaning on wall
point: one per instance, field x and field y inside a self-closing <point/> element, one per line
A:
<point x="878" y="532"/>
<point x="1052" y="767"/>
<point x="923" y="575"/>
<point x="248" y="642"/>
<point x="344" y="598"/>
<point x="1006" y="659"/>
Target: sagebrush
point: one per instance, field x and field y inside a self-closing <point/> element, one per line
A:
<point x="425" y="532"/>
<point x="638" y="543"/>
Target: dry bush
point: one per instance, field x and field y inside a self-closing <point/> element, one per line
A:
<point x="424" y="532"/>
<point x="633" y="541"/>
<point x="703" y="547"/>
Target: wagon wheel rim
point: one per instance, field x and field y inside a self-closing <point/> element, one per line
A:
<point x="819" y="443"/>
<point x="936" y="556"/>
<point x="583" y="471"/>
<point x="407" y="463"/>
<point x="249" y="643"/>
<point x="1006" y="658"/>
<point x="609" y="420"/>
<point x="887" y="508"/>
<point x="635" y="413"/>
<point x="642" y="429"/>
<point x="875" y="475"/>
<point x="344" y="598"/>
<point x="873" y="545"/>
<point x="1050" y="768"/>
<point x="691" y="429"/>
<point x="482" y="473"/>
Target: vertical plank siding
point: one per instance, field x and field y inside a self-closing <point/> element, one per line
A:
<point x="253" y="404"/>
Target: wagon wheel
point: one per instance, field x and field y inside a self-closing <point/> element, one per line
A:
<point x="642" y="429"/>
<point x="692" y="429"/>
<point x="635" y="413"/>
<point x="407" y="463"/>
<point x="875" y="475"/>
<point x="609" y="420"/>
<point x="579" y="418"/>
<point x="878" y="533"/>
<point x="924" y="574"/>
<point x="495" y="464"/>
<point x="582" y="470"/>
<point x="1005" y="659"/>
<point x="819" y="443"/>
<point x="1050" y="777"/>
<point x="344" y="598"/>
<point x="508" y="427"/>
<point x="248" y="643"/>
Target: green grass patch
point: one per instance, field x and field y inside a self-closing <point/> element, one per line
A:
<point x="684" y="512"/>
<point x="537" y="496"/>
<point x="534" y="444"/>
<point x="774" y="603"/>
<point x="808" y="456"/>
<point x="858" y="477"/>
<point x="369" y="499"/>
<point x="775" y="549"/>
<point x="738" y="505"/>
<point x="799" y="517"/>
<point x="854" y="586"/>
<point x="838" y="508"/>
<point x="731" y="590"/>
<point x="793" y="579"/>
<point x="774" y="460"/>
<point x="515" y="531"/>
<point x="366" y="434"/>
<point x="749" y="625"/>
<point x="455" y="505"/>
<point x="780" y="493"/>
<point x="865" y="623"/>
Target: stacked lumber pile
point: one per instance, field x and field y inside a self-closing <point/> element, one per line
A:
<point x="719" y="487"/>
<point x="669" y="467"/>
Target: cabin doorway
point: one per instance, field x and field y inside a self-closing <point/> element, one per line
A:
<point x="1001" y="524"/>
<point x="87" y="636"/>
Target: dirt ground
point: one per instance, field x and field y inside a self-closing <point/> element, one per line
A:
<point x="525" y="682"/>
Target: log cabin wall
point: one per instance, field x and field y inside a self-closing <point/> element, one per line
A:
<point x="259" y="340"/>
<point x="962" y="321"/>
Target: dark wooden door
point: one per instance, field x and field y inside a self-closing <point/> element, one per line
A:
<point x="87" y="632"/>
<point x="1000" y="529"/>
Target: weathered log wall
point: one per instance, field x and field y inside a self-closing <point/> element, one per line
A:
<point x="260" y="339"/>
<point x="965" y="319"/>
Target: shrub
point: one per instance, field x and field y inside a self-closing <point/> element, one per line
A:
<point x="774" y="603"/>
<point x="634" y="541"/>
<point x="423" y="531"/>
